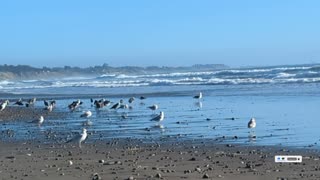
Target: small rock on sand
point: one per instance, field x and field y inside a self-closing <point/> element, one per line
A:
<point x="205" y="176"/>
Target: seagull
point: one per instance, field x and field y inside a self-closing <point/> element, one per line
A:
<point x="49" y="108"/>
<point x="74" y="105"/>
<point x="124" y="106"/>
<point x="86" y="114"/>
<point x="131" y="100"/>
<point x="124" y="116"/>
<point x="159" y="118"/>
<point x="19" y="102"/>
<point x="46" y="103"/>
<point x="117" y="105"/>
<point x="142" y="98"/>
<point x="4" y="105"/>
<point x="153" y="107"/>
<point x="31" y="102"/>
<point x="80" y="137"/>
<point x="199" y="96"/>
<point x="101" y="103"/>
<point x="252" y="123"/>
<point x="53" y="103"/>
<point x="39" y="121"/>
<point x="106" y="102"/>
<point x="98" y="104"/>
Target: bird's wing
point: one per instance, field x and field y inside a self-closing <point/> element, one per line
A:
<point x="156" y="118"/>
<point x="75" y="138"/>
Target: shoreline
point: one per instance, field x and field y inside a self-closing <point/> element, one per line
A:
<point x="167" y="157"/>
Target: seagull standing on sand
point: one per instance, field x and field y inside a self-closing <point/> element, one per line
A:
<point x="142" y="97"/>
<point x="19" y="102"/>
<point x="117" y="105"/>
<point x="131" y="100"/>
<point x="159" y="118"/>
<point x="199" y="96"/>
<point x="31" y="102"/>
<point x="86" y="114"/>
<point x="124" y="106"/>
<point x="49" y="108"/>
<point x="153" y="107"/>
<point x="53" y="103"/>
<point x="4" y="105"/>
<point x="39" y="121"/>
<point x="106" y="102"/>
<point x="252" y="123"/>
<point x="74" y="105"/>
<point x="46" y="103"/>
<point x="80" y="137"/>
<point x="98" y="104"/>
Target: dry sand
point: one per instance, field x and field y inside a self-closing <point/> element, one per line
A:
<point x="125" y="159"/>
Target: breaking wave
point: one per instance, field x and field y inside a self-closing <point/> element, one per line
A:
<point x="271" y="75"/>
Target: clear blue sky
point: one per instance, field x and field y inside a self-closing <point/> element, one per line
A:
<point x="164" y="32"/>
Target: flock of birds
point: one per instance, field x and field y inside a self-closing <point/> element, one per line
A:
<point x="50" y="105"/>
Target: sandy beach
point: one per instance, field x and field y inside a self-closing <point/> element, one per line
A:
<point x="129" y="158"/>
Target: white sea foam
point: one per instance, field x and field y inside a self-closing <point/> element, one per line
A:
<point x="230" y="76"/>
<point x="6" y="82"/>
<point x="285" y="75"/>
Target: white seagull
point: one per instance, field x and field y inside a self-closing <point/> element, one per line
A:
<point x="252" y="123"/>
<point x="86" y="114"/>
<point x="159" y="118"/>
<point x="153" y="107"/>
<point x="199" y="96"/>
<point x="49" y="108"/>
<point x="80" y="137"/>
<point x="39" y="121"/>
<point x="117" y="105"/>
<point x="4" y="105"/>
<point x="124" y="106"/>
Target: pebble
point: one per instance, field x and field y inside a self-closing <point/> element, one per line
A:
<point x="96" y="177"/>
<point x="11" y="157"/>
<point x="205" y="176"/>
<point x="198" y="169"/>
<point x="158" y="175"/>
<point x="187" y="171"/>
<point x="70" y="163"/>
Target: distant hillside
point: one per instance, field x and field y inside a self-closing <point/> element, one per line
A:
<point x="11" y="72"/>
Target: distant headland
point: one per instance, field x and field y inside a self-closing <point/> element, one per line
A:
<point x="18" y="72"/>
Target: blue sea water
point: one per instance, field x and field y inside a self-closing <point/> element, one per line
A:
<point x="284" y="100"/>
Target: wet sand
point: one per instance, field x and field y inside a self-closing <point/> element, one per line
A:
<point x="17" y="113"/>
<point x="136" y="159"/>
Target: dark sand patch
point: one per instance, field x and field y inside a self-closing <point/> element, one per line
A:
<point x="13" y="113"/>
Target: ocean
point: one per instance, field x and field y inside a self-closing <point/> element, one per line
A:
<point x="283" y="99"/>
